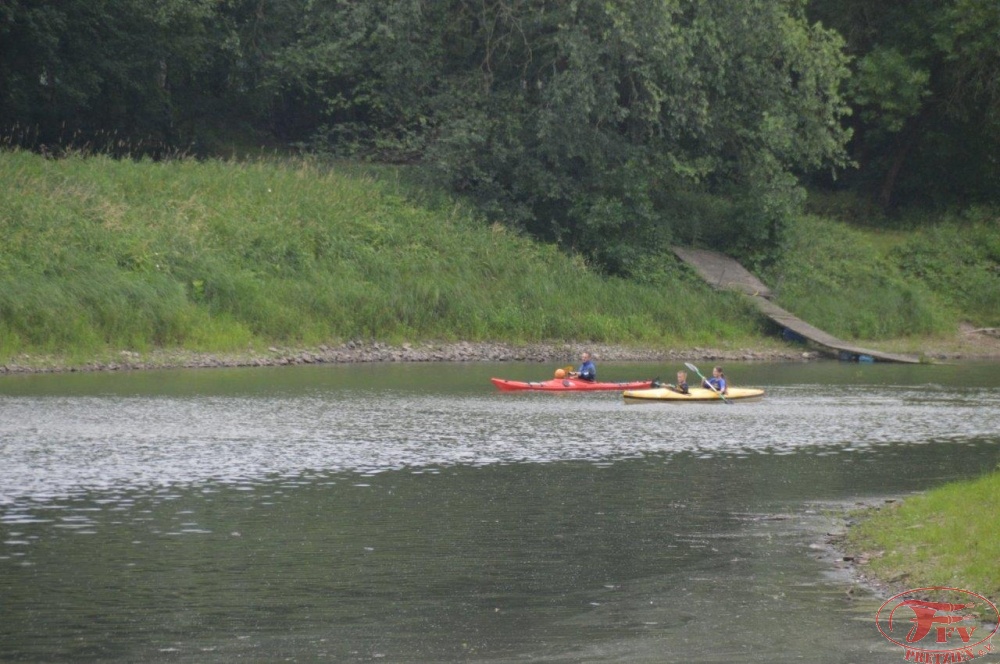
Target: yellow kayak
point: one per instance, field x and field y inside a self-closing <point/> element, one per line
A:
<point x="695" y="394"/>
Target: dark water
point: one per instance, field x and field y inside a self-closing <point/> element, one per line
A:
<point x="413" y="513"/>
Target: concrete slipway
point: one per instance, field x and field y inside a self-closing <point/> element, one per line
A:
<point x="724" y="273"/>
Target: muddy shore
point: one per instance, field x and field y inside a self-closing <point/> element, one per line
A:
<point x="967" y="345"/>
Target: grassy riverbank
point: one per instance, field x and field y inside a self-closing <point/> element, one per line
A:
<point x="945" y="537"/>
<point x="99" y="256"/>
<point x="220" y="256"/>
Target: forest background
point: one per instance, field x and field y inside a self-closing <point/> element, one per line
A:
<point x="423" y="153"/>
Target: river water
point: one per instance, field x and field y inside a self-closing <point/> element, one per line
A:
<point x="412" y="513"/>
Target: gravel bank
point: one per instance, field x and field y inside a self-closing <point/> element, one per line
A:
<point x="970" y="344"/>
<point x="358" y="352"/>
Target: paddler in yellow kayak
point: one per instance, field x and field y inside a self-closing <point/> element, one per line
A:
<point x="682" y="383"/>
<point x="717" y="382"/>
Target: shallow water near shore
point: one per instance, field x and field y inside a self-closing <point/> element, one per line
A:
<point x="413" y="513"/>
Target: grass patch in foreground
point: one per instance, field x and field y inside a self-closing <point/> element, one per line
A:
<point x="946" y="537"/>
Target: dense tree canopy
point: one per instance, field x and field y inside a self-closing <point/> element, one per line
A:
<point x="926" y="86"/>
<point x="130" y="76"/>
<point x="609" y="127"/>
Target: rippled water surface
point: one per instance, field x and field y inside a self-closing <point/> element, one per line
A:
<point x="414" y="513"/>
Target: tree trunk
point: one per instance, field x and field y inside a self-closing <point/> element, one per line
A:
<point x="899" y="154"/>
<point x="900" y="151"/>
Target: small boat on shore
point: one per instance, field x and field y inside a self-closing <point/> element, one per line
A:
<point x="695" y="394"/>
<point x="567" y="385"/>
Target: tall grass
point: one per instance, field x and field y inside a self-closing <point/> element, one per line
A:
<point x="97" y="253"/>
<point x="958" y="259"/>
<point x="843" y="280"/>
<point x="952" y="255"/>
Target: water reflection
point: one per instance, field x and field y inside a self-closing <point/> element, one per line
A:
<point x="415" y="514"/>
<point x="61" y="446"/>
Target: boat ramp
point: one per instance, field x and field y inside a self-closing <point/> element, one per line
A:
<point x="724" y="273"/>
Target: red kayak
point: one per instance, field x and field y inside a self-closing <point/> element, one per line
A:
<point x="568" y="385"/>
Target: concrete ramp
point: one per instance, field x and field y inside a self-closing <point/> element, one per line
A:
<point x="723" y="273"/>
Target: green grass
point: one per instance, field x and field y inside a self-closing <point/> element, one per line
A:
<point x="98" y="255"/>
<point x="959" y="261"/>
<point x="948" y="260"/>
<point x="945" y="537"/>
<point x="841" y="280"/>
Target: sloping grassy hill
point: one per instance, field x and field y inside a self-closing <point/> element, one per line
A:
<point x="886" y="284"/>
<point x="98" y="255"/>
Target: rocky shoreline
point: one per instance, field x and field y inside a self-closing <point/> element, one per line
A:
<point x="855" y="563"/>
<point x="969" y="344"/>
<point x="363" y="352"/>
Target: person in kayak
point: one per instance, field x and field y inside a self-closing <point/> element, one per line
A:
<point x="587" y="370"/>
<point x="682" y="383"/>
<point x="717" y="381"/>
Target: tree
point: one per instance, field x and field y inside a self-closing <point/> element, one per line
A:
<point x="608" y="127"/>
<point x="124" y="76"/>
<point x="585" y="122"/>
<point x="926" y="92"/>
<point x="357" y="76"/>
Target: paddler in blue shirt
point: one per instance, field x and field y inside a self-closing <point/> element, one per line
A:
<point x="717" y="381"/>
<point x="587" y="370"/>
